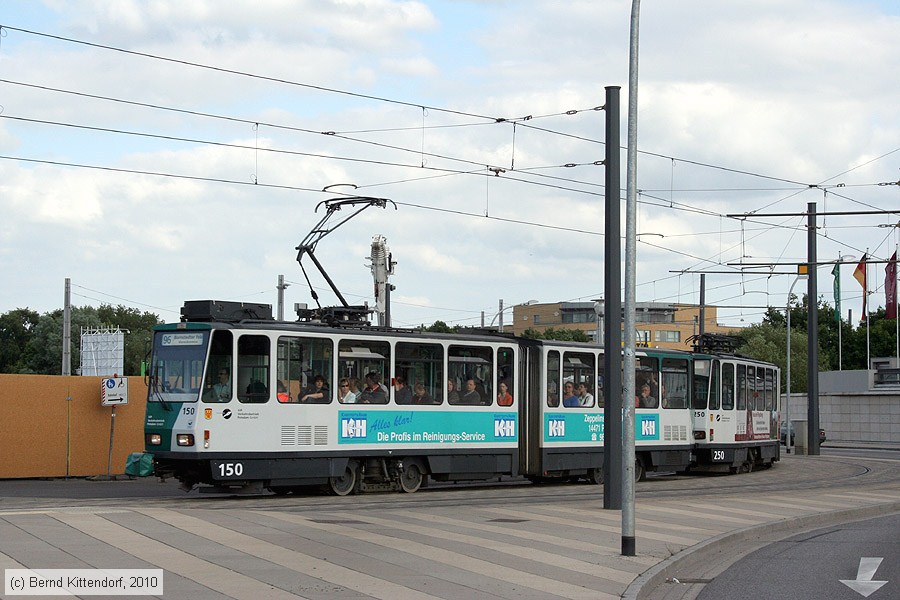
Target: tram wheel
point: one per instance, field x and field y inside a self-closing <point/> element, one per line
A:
<point x="346" y="483"/>
<point x="640" y="473"/>
<point x="595" y="476"/>
<point x="281" y="490"/>
<point x="411" y="478"/>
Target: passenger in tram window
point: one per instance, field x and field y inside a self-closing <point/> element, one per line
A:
<point x="471" y="396"/>
<point x="318" y="393"/>
<point x="373" y="393"/>
<point x="569" y="397"/>
<point x="504" y="398"/>
<point x="452" y="394"/>
<point x="645" y="400"/>
<point x="402" y="393"/>
<point x="585" y="398"/>
<point x="257" y="388"/>
<point x="354" y="388"/>
<point x="345" y="394"/>
<point x="420" y="396"/>
<point x="282" y="393"/>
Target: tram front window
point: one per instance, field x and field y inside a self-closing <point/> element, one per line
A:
<point x="176" y="371"/>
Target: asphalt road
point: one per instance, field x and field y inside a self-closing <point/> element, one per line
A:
<point x="813" y="564"/>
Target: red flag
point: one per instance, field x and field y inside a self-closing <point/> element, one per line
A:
<point x="890" y="287"/>
<point x="860" y="275"/>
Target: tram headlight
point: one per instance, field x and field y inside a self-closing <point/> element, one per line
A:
<point x="185" y="439"/>
<point x="154" y="439"/>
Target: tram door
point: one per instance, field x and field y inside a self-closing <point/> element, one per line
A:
<point x="705" y="402"/>
<point x="723" y="421"/>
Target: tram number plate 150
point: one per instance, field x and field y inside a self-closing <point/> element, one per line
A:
<point x="227" y="470"/>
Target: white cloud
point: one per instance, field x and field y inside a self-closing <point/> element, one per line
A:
<point x="796" y="91"/>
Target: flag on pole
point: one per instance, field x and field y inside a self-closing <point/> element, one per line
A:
<point x="890" y="287"/>
<point x="836" y="271"/>
<point x="860" y="275"/>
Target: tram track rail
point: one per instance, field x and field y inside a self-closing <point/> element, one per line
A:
<point x="792" y="474"/>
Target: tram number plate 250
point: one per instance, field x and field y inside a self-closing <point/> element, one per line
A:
<point x="226" y="470"/>
<point x="718" y="455"/>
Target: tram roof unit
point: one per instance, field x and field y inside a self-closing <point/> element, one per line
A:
<point x="218" y="314"/>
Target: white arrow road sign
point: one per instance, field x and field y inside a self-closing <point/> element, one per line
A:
<point x="863" y="583"/>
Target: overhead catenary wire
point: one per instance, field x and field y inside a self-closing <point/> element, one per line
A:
<point x="522" y="120"/>
<point x="454" y="173"/>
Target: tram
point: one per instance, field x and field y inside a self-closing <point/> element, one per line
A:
<point x="239" y="401"/>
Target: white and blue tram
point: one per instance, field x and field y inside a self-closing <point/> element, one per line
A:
<point x="258" y="403"/>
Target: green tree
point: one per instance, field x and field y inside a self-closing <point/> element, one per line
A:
<point x="42" y="353"/>
<point x="562" y="334"/>
<point x="768" y="340"/>
<point x="439" y="327"/>
<point x="882" y="341"/>
<point x="16" y="327"/>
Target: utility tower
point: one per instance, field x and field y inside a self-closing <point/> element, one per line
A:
<point x="382" y="267"/>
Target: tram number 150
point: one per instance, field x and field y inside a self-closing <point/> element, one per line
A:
<point x="231" y="469"/>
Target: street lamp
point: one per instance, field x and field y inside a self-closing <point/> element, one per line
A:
<point x="802" y="271"/>
<point x="502" y="308"/>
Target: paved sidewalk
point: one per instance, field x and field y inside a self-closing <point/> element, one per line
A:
<point x="561" y="547"/>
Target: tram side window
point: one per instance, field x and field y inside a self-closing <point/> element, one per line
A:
<point x="579" y="370"/>
<point x="219" y="370"/>
<point x="506" y="377"/>
<point x="253" y="369"/>
<point x="770" y="389"/>
<point x="646" y="382"/>
<point x="753" y="390"/>
<point x="759" y="394"/>
<point x="674" y="389"/>
<point x="742" y="387"/>
<point x="727" y="386"/>
<point x="421" y="367"/>
<point x="304" y="370"/>
<point x="366" y="363"/>
<point x="552" y="378"/>
<point x="701" y="384"/>
<point x="471" y="374"/>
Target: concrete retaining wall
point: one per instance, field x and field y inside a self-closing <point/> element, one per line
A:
<point x="855" y="417"/>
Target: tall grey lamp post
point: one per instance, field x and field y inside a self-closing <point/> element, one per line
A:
<point x="801" y="274"/>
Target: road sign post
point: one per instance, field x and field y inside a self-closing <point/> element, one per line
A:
<point x="113" y="392"/>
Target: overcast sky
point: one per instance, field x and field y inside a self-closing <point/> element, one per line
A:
<point x="156" y="152"/>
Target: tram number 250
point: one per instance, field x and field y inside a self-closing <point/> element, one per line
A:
<point x="231" y="469"/>
<point x="718" y="455"/>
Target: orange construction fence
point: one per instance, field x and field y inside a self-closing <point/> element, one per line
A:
<point x="55" y="426"/>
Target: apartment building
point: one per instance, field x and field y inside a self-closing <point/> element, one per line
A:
<point x="657" y="324"/>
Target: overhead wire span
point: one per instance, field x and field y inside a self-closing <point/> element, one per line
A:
<point x="343" y="135"/>
<point x="242" y="73"/>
